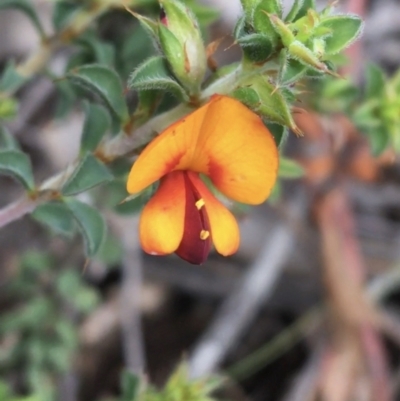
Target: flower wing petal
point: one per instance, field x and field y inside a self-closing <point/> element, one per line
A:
<point x="171" y="150"/>
<point x="224" y="228"/>
<point x="162" y="219"/>
<point x="236" y="151"/>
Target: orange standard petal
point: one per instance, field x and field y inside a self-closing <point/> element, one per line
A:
<point x="224" y="140"/>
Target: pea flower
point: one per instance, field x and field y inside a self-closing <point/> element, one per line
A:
<point x="223" y="140"/>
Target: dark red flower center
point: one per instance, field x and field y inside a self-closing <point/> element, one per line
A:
<point x="196" y="241"/>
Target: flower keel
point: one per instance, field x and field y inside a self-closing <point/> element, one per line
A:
<point x="196" y="241"/>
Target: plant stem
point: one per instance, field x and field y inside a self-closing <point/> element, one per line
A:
<point x="16" y="210"/>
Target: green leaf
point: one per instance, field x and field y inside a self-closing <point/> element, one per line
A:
<point x="247" y="96"/>
<point x="279" y="132"/>
<point x="18" y="165"/>
<point x="291" y="72"/>
<point x="154" y="74"/>
<point x="7" y="140"/>
<point x="205" y="15"/>
<point x="90" y="223"/>
<point x="63" y="11"/>
<point x="8" y="108"/>
<point x="345" y="29"/>
<point x="104" y="82"/>
<point x="101" y="52"/>
<point x="296" y="6"/>
<point x="289" y="168"/>
<point x="261" y="20"/>
<point x="11" y="80"/>
<point x="272" y="103"/>
<point x="375" y="82"/>
<point x="71" y="287"/>
<point x="89" y="173"/>
<point x="57" y="216"/>
<point x="66" y="98"/>
<point x="26" y="7"/>
<point x="256" y="46"/>
<point x="379" y="139"/>
<point x="307" y="4"/>
<point x="130" y="384"/>
<point x="97" y="123"/>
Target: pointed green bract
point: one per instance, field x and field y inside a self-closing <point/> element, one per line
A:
<point x="90" y="223"/>
<point x="104" y="82"/>
<point x="17" y="164"/>
<point x="289" y="168"/>
<point x="89" y="173"/>
<point x="265" y="99"/>
<point x="154" y="74"/>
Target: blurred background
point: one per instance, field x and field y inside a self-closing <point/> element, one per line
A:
<point x="308" y="309"/>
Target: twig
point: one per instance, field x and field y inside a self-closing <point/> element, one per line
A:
<point x="241" y="306"/>
<point x="16" y="210"/>
<point x="130" y="297"/>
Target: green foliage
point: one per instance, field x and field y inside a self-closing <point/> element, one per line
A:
<point x="11" y="80"/>
<point x="97" y="123"/>
<point x="90" y="223"/>
<point x="289" y="169"/>
<point x="105" y="83"/>
<point x="179" y="387"/>
<point x="154" y="74"/>
<point x="17" y="164"/>
<point x="56" y="216"/>
<point x="7" y="140"/>
<point x="47" y="299"/>
<point x="89" y="173"/>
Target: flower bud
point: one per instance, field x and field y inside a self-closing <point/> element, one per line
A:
<point x="181" y="42"/>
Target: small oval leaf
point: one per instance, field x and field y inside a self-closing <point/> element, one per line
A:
<point x="90" y="223"/>
<point x="105" y="83"/>
<point x="18" y="165"/>
<point x="57" y="216"/>
<point x="345" y="29"/>
<point x="97" y="123"/>
<point x="89" y="173"/>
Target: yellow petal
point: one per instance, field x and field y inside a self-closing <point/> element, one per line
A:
<point x="224" y="228"/>
<point x="236" y="151"/>
<point x="162" y="220"/>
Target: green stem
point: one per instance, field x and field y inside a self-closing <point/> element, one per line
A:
<point x="285" y="340"/>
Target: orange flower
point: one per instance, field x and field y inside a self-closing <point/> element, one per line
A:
<point x="223" y="140"/>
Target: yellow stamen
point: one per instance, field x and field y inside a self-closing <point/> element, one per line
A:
<point x="204" y="234"/>
<point x="200" y="203"/>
